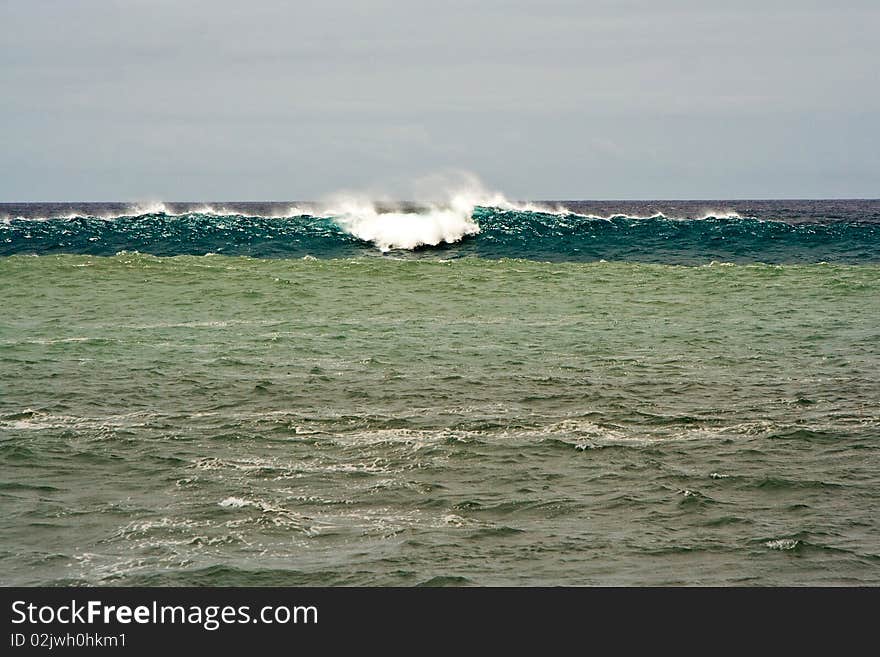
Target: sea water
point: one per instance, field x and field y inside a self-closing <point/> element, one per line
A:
<point x="471" y="392"/>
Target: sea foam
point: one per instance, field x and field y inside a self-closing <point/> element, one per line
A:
<point x="444" y="213"/>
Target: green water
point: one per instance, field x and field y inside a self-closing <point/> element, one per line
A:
<point x="218" y="420"/>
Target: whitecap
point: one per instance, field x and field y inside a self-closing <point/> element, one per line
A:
<point x="236" y="502"/>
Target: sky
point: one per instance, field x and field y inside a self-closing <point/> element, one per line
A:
<point x="269" y="100"/>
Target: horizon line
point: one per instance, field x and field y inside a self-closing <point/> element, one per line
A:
<point x="532" y="200"/>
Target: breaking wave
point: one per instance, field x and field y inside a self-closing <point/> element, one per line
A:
<point x="471" y="223"/>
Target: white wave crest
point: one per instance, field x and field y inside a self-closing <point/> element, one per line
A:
<point x="406" y="229"/>
<point x="720" y="214"/>
<point x="236" y="502"/>
<point x="152" y="207"/>
<point x="443" y="214"/>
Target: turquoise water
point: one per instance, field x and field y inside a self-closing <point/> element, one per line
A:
<point x="418" y="418"/>
<point x="687" y="235"/>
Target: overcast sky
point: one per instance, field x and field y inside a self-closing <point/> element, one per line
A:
<point x="550" y="99"/>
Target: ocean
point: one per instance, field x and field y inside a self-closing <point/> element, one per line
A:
<point x="475" y="392"/>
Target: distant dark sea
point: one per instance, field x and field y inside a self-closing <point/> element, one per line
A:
<point x="477" y="392"/>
